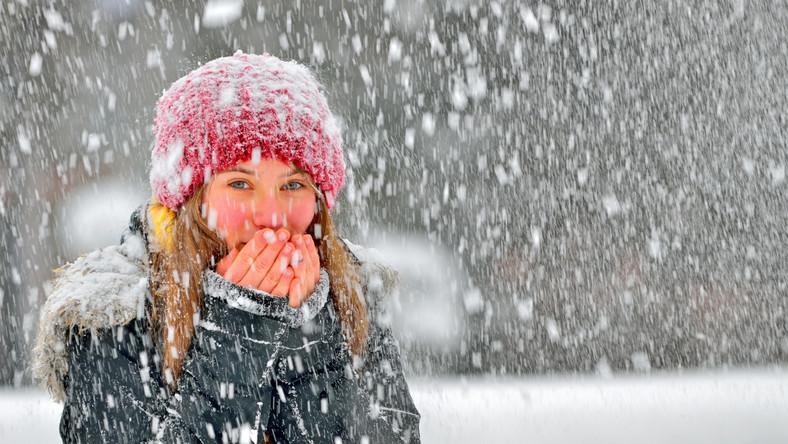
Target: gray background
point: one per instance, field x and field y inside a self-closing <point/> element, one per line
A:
<point x="606" y="179"/>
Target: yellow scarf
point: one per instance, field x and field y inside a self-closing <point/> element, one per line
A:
<point x="163" y="219"/>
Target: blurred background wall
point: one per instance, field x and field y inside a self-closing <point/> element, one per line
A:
<point x="585" y="186"/>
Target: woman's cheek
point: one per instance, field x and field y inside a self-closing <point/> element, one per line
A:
<point x="300" y="215"/>
<point x="231" y="217"/>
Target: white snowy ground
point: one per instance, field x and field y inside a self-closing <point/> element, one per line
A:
<point x="731" y="407"/>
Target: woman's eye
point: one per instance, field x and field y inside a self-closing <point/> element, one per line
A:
<point x="292" y="186"/>
<point x="239" y="185"/>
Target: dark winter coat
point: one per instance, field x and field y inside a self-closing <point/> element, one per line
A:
<point x="255" y="364"/>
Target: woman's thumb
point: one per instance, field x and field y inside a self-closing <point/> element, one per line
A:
<point x="226" y="261"/>
<point x="294" y="296"/>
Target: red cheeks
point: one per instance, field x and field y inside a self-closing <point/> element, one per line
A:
<point x="300" y="213"/>
<point x="231" y="215"/>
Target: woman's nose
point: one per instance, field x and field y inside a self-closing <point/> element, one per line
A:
<point x="268" y="211"/>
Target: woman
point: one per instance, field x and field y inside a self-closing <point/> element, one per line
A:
<point x="231" y="310"/>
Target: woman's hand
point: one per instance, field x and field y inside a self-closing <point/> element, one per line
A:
<point x="272" y="264"/>
<point x="305" y="262"/>
<point x="262" y="263"/>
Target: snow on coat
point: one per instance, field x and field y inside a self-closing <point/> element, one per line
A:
<point x="256" y="364"/>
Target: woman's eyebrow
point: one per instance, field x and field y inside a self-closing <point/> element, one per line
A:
<point x="292" y="172"/>
<point x="242" y="170"/>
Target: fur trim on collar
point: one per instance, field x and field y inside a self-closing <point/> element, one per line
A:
<point x="102" y="289"/>
<point x="262" y="303"/>
<point x="108" y="288"/>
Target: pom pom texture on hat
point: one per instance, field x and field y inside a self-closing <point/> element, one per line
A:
<point x="222" y="112"/>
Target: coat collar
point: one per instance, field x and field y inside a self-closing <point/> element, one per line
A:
<point x="109" y="287"/>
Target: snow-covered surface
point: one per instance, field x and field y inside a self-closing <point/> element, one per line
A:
<point x="733" y="407"/>
<point x="698" y="408"/>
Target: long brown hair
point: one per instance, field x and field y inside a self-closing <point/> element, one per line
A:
<point x="184" y="246"/>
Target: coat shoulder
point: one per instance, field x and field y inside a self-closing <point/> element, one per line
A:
<point x="379" y="280"/>
<point x="100" y="290"/>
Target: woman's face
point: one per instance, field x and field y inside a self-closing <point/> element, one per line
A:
<point x="268" y="194"/>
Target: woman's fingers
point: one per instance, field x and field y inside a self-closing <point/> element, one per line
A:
<point x="245" y="258"/>
<point x="264" y="260"/>
<point x="278" y="268"/>
<point x="226" y="261"/>
<point x="272" y="264"/>
<point x="313" y="266"/>
<point x="313" y="250"/>
<point x="295" y="295"/>
<point x="307" y="271"/>
<point x="300" y="262"/>
<point x="314" y="259"/>
<point x="283" y="285"/>
<point x="303" y="254"/>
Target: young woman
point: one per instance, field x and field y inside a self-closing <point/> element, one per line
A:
<point x="231" y="311"/>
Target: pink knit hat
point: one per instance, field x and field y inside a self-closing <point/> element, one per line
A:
<point x="222" y="112"/>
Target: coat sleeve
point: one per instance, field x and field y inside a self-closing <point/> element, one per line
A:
<point x="385" y="388"/>
<point x="114" y="389"/>
<point x="110" y="396"/>
<point x="319" y="398"/>
<point x="225" y="391"/>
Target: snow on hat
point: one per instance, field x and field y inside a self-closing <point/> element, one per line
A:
<point x="232" y="108"/>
